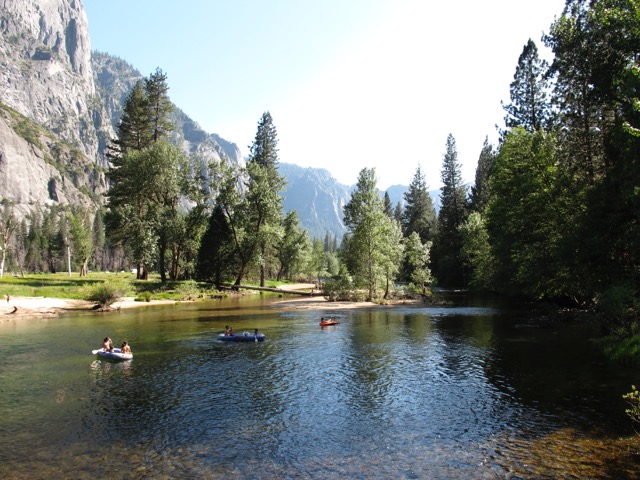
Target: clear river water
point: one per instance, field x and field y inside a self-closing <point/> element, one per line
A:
<point x="471" y="390"/>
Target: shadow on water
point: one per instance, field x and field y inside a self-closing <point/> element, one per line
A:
<point x="466" y="391"/>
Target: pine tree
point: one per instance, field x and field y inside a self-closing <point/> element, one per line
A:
<point x="448" y="267"/>
<point x="134" y="130"/>
<point x="529" y="107"/>
<point x="480" y="192"/>
<point x="159" y="105"/>
<point x="145" y="174"/>
<point x="264" y="188"/>
<point x="419" y="213"/>
<point x="388" y="206"/>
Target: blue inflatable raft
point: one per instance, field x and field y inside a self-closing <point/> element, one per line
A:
<point x="242" y="337"/>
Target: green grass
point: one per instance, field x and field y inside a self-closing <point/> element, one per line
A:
<point x="61" y="285"/>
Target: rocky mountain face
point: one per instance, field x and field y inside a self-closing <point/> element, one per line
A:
<point x="60" y="104"/>
<point x="317" y="197"/>
<point x="46" y="73"/>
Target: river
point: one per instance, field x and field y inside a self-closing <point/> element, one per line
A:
<point x="472" y="390"/>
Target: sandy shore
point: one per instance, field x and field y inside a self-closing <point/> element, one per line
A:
<point x="314" y="303"/>
<point x="42" y="307"/>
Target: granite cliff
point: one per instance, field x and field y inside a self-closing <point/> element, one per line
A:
<point x="60" y="105"/>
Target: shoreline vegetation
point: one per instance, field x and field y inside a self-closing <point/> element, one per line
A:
<point x="52" y="295"/>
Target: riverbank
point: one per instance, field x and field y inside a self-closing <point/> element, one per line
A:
<point x="315" y="303"/>
<point x="22" y="307"/>
<point x="43" y="307"/>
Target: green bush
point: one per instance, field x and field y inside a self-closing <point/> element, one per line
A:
<point x="341" y="289"/>
<point x="107" y="293"/>
<point x="188" y="290"/>
<point x="633" y="399"/>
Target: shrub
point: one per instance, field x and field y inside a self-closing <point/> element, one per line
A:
<point x="633" y="399"/>
<point x="107" y="293"/>
<point x="188" y="290"/>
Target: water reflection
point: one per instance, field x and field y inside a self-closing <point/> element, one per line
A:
<point x="394" y="393"/>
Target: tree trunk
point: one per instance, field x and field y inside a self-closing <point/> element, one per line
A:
<point x="4" y="252"/>
<point x="262" y="265"/>
<point x="175" y="262"/>
<point x="162" y="247"/>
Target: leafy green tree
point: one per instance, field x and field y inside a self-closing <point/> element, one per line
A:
<point x="524" y="231"/>
<point x="80" y="231"/>
<point x="143" y="202"/>
<point x="317" y="264"/>
<point x="476" y="252"/>
<point x="447" y="265"/>
<point x="392" y="250"/>
<point x="419" y="214"/>
<point x="595" y="67"/>
<point x="292" y="247"/>
<point x="481" y="191"/>
<point x="529" y="107"/>
<point x="417" y="256"/>
<point x="369" y="253"/>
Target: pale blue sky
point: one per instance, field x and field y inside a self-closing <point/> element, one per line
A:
<point x="349" y="83"/>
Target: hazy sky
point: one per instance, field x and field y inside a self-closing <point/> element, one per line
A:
<point x="349" y="83"/>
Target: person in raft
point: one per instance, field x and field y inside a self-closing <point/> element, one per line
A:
<point x="125" y="348"/>
<point x="107" y="345"/>
<point x="228" y="330"/>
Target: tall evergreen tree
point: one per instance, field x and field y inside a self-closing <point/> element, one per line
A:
<point x="388" y="206"/>
<point x="480" y="192"/>
<point x="145" y="175"/>
<point x="264" y="188"/>
<point x="134" y="129"/>
<point x="419" y="213"/>
<point x="529" y="107"/>
<point x="448" y="266"/>
<point x="159" y="105"/>
<point x="596" y="45"/>
<point x="585" y="119"/>
<point x="216" y="255"/>
<point x="398" y="213"/>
